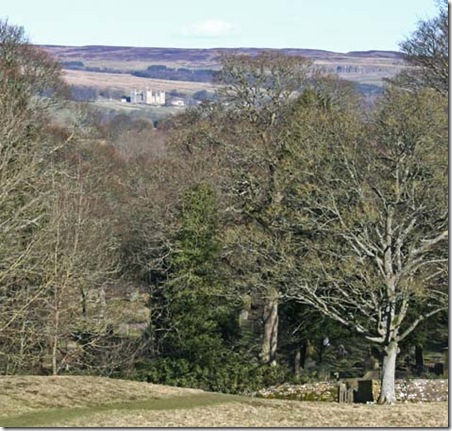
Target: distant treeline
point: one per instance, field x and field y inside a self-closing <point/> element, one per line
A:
<point x="79" y="65"/>
<point x="156" y="71"/>
<point x="76" y="65"/>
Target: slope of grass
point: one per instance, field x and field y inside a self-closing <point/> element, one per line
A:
<point x="250" y="413"/>
<point x="31" y="401"/>
<point x="53" y="417"/>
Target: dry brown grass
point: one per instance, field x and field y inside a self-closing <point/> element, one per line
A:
<point x="124" y="81"/>
<point x="276" y="413"/>
<point x="23" y="394"/>
<point x="100" y="402"/>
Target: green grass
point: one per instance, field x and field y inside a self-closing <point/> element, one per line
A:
<point x="48" y="417"/>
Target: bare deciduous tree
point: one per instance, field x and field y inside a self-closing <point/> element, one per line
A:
<point x="30" y="85"/>
<point x="426" y="52"/>
<point x="379" y="225"/>
<point x="257" y="92"/>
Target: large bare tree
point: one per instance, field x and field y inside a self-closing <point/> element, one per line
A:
<point x="30" y="85"/>
<point x="256" y="93"/>
<point x="56" y="239"/>
<point x="376" y="211"/>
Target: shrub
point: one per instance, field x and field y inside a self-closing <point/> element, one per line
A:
<point x="230" y="373"/>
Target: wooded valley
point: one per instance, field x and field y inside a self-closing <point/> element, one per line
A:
<point x="282" y="231"/>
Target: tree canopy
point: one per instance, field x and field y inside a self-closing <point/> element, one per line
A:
<point x="427" y="53"/>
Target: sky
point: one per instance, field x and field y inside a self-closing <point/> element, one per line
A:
<point x="333" y="25"/>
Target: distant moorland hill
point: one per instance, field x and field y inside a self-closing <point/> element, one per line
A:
<point x="132" y="64"/>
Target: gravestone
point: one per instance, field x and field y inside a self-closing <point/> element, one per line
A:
<point x="365" y="392"/>
<point x="358" y="390"/>
<point x="345" y="394"/>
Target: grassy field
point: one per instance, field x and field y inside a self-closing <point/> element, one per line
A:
<point x="31" y="401"/>
<point x="123" y="81"/>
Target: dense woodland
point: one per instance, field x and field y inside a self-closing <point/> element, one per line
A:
<point x="280" y="232"/>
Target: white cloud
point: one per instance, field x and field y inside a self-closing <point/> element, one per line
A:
<point x="211" y="28"/>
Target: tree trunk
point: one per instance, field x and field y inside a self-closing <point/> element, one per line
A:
<point x="419" y="357"/>
<point x="103" y="302"/>
<point x="55" y="342"/>
<point x="297" y="362"/>
<point x="270" y="338"/>
<point x="304" y="351"/>
<point x="387" y="395"/>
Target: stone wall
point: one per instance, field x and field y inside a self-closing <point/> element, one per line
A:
<point x="415" y="390"/>
<point x="422" y="390"/>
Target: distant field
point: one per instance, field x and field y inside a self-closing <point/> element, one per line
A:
<point x="27" y="401"/>
<point x="123" y="81"/>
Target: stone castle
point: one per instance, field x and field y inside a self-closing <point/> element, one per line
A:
<point x="147" y="96"/>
